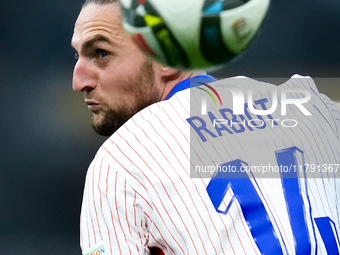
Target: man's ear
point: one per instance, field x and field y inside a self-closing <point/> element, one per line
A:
<point x="169" y="74"/>
<point x="169" y="78"/>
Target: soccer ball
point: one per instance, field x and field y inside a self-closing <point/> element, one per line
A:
<point x="193" y="34"/>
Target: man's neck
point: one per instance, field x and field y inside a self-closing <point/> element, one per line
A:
<point x="177" y="78"/>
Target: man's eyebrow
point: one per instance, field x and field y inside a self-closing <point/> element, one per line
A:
<point x="99" y="38"/>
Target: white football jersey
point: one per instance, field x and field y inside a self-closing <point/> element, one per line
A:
<point x="269" y="183"/>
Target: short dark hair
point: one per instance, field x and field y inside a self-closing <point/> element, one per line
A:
<point x="100" y="2"/>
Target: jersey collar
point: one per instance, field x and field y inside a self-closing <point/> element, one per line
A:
<point x="190" y="83"/>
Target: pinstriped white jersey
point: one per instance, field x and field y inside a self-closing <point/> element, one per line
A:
<point x="141" y="190"/>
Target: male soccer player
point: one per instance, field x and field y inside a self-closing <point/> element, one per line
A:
<point x="142" y="194"/>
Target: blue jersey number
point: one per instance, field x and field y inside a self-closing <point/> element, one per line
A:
<point x="256" y="215"/>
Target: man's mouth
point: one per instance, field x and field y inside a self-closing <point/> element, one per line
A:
<point x="92" y="104"/>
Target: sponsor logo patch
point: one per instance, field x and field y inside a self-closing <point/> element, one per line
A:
<point x="96" y="250"/>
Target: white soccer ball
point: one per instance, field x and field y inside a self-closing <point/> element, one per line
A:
<point x="193" y="34"/>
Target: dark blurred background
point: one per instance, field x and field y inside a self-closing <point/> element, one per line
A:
<point x="46" y="139"/>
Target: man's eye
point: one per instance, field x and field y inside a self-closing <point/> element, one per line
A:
<point x="102" y="53"/>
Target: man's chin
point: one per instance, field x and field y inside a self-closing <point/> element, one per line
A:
<point x="103" y="129"/>
<point x="100" y="126"/>
<point x="106" y="125"/>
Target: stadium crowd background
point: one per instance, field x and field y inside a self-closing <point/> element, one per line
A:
<point x="46" y="140"/>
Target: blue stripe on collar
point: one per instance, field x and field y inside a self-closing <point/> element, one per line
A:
<point x="190" y="83"/>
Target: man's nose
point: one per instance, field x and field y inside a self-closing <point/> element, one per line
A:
<point x="83" y="76"/>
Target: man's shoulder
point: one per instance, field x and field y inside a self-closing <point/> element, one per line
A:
<point x="160" y="116"/>
<point x="155" y="138"/>
<point x="177" y="105"/>
<point x="157" y="127"/>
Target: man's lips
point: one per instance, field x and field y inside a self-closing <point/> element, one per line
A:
<point x="92" y="104"/>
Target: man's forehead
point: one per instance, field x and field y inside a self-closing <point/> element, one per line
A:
<point x="106" y="13"/>
<point x="93" y="18"/>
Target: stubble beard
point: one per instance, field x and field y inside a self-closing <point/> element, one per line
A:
<point x="107" y="122"/>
